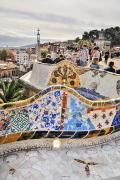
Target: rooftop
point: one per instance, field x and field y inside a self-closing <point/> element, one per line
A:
<point x="6" y="65"/>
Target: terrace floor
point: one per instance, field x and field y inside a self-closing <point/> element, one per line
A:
<point x="59" y="164"/>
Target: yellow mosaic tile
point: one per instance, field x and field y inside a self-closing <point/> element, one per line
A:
<point x="12" y="137"/>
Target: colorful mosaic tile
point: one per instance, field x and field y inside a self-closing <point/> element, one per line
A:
<point x="5" y="126"/>
<point x="89" y="94"/>
<point x="66" y="74"/>
<point x="46" y="112"/>
<point x="19" y="120"/>
<point x="116" y="120"/>
<point x="104" y="83"/>
<point x="76" y="118"/>
<point x="102" y="118"/>
<point x="61" y="108"/>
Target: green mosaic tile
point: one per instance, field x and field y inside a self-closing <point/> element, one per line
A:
<point x="19" y="120"/>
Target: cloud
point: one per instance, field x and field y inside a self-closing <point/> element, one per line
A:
<point x="49" y="17"/>
<point x="57" y="19"/>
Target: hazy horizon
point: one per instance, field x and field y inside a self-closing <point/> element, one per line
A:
<point x="21" y="43"/>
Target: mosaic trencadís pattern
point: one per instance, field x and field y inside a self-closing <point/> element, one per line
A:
<point x="62" y="112"/>
<point x="102" y="118"/>
<point x="5" y="123"/>
<point x="46" y="112"/>
<point x="65" y="74"/>
<point x="104" y="83"/>
<point x="116" y="119"/>
<point x="19" y="120"/>
<point x="76" y="117"/>
<point x="90" y="94"/>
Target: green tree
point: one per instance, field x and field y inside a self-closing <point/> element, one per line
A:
<point x="10" y="91"/>
<point x="112" y="34"/>
<point x="11" y="55"/>
<point x="82" y="42"/>
<point x="3" y="55"/>
<point x="85" y="36"/>
<point x="94" y="34"/>
<point x="43" y="54"/>
<point x="77" y="39"/>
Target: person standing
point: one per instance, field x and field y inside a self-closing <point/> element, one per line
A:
<point x="106" y="56"/>
<point x="84" y="55"/>
<point x="90" y="53"/>
<point x="96" y="53"/>
<point x="74" y="59"/>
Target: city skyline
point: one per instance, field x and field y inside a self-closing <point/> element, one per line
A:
<point x="57" y="20"/>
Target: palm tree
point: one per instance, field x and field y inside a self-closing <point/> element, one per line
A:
<point x="10" y="91"/>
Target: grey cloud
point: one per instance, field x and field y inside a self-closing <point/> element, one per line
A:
<point x="48" y="17"/>
<point x="104" y="13"/>
<point x="56" y="18"/>
<point x="60" y="19"/>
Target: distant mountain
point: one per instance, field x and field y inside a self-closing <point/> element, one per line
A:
<point x="28" y="46"/>
<point x="33" y="45"/>
<point x="5" y="47"/>
<point x="24" y="43"/>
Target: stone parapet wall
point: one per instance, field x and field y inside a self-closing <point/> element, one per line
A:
<point x="67" y="144"/>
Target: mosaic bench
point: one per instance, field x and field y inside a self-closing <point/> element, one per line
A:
<point x="58" y="111"/>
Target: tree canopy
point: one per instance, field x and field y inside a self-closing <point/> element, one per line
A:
<point x="82" y="42"/>
<point x="6" y="54"/>
<point x="112" y="34"/>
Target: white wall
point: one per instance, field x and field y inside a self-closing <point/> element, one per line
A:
<point x="23" y="58"/>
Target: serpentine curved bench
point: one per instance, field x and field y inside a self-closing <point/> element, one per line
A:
<point x="58" y="111"/>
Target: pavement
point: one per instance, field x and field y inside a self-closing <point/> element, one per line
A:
<point x="103" y="65"/>
<point x="115" y="60"/>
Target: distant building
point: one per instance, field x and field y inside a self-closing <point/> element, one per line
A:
<point x="102" y="43"/>
<point x="71" y="42"/>
<point x="8" y="70"/>
<point x="58" y="46"/>
<point x="53" y="47"/>
<point x="22" y="57"/>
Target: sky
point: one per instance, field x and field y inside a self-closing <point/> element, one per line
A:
<point x="57" y="19"/>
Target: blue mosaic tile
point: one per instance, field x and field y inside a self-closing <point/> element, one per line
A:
<point x="76" y="118"/>
<point x="57" y="93"/>
<point x="116" y="120"/>
<point x="45" y="114"/>
<point x="89" y="94"/>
